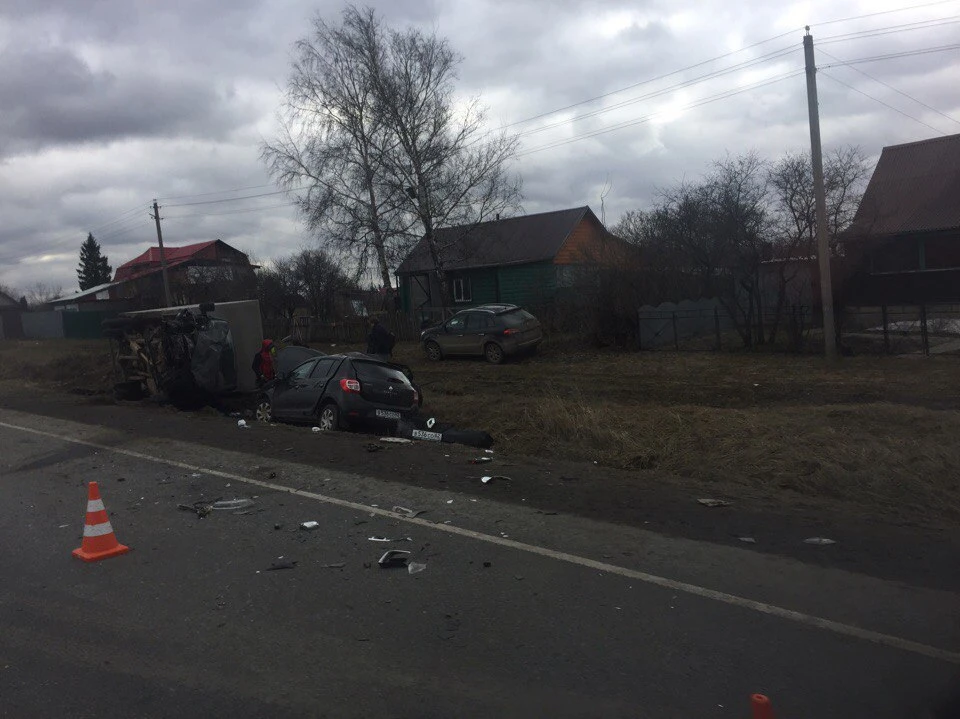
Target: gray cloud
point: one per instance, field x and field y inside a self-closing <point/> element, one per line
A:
<point x="105" y="105"/>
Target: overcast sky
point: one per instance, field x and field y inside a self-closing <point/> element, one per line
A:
<point x="106" y="104"/>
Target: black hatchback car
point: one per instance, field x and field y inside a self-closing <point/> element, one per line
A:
<point x="340" y="391"/>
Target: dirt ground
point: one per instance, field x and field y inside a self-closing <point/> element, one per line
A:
<point x="863" y="453"/>
<point x="876" y="434"/>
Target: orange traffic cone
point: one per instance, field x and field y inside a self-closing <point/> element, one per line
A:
<point x="99" y="541"/>
<point x="761" y="707"/>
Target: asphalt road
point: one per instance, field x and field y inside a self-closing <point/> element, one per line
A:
<point x="519" y="613"/>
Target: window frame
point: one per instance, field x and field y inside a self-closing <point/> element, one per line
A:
<point x="465" y="293"/>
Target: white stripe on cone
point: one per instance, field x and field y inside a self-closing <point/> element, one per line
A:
<point x="95" y="505"/>
<point x="97" y="530"/>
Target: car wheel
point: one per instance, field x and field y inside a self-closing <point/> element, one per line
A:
<point x="329" y="418"/>
<point x="493" y="352"/>
<point x="264" y="412"/>
<point x="434" y="353"/>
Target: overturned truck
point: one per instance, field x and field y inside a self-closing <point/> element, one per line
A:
<point x="185" y="358"/>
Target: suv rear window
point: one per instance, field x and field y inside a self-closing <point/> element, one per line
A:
<point x="378" y="372"/>
<point x="516" y="318"/>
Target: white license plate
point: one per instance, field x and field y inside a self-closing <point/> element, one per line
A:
<point x="432" y="436"/>
<point x="387" y="414"/>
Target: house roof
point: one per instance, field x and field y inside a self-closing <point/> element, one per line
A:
<point x="149" y="261"/>
<point x="83" y="293"/>
<point x="915" y="188"/>
<point x="511" y="241"/>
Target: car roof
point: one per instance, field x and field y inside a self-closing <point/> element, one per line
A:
<point x="497" y="309"/>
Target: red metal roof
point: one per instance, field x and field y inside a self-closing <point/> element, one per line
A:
<point x="914" y="188"/>
<point x="149" y="261"/>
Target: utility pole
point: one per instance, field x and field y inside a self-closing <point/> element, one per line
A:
<point x="163" y="259"/>
<point x="823" y="242"/>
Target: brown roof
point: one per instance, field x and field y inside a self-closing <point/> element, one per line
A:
<point x="915" y="188"/>
<point x="511" y="241"/>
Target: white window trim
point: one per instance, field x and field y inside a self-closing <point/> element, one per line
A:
<point x="463" y="285"/>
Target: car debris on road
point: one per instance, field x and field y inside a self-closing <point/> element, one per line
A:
<point x="389" y="539"/>
<point x="394" y="558"/>
<point x="408" y="513"/>
<point x="495" y="478"/>
<point x="708" y="502"/>
<point x="281" y="565"/>
<point x="309" y="525"/>
<point x="819" y="541"/>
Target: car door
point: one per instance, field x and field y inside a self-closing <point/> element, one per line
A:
<point x="286" y="400"/>
<point x="452" y="338"/>
<point x="475" y="330"/>
<point x="310" y="389"/>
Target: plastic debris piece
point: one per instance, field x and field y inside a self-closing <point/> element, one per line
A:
<point x="389" y="539"/>
<point x="707" y="502"/>
<point x="481" y="460"/>
<point x="232" y="504"/>
<point x="315" y="430"/>
<point x="242" y="424"/>
<point x="201" y="509"/>
<point x="414" y="567"/>
<point x="495" y="478"/>
<point x="338" y="565"/>
<point x="309" y="525"/>
<point x="408" y="513"/>
<point x="396" y="440"/>
<point x="196" y="474"/>
<point x="819" y="541"/>
<point x="393" y="558"/>
<point x="449" y="501"/>
<point x="280" y="565"/>
<point x="748" y="540"/>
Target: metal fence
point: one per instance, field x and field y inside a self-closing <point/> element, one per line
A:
<point x="351" y="330"/>
<point x="900" y="329"/>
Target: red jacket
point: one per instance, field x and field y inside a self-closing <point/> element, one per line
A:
<point x="263" y="362"/>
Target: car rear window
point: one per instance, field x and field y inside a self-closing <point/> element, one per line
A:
<point x="378" y="372"/>
<point x="516" y="318"/>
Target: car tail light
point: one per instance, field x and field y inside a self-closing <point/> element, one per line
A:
<point x="416" y="397"/>
<point x="508" y="332"/>
<point x="350" y="385"/>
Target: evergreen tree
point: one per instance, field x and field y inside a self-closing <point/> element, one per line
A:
<point x="93" y="269"/>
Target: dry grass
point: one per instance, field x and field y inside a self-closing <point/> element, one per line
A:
<point x="66" y="364"/>
<point x="877" y="432"/>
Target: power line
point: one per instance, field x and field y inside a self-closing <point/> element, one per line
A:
<point x="118" y="218"/>
<point x="891" y="30"/>
<point x="231" y="212"/>
<point x="882" y="12"/>
<point x="652" y="79"/>
<point x="646" y="118"/>
<point x="891" y="87"/>
<point x="217" y="192"/>
<point x="232" y="199"/>
<point x="676" y="86"/>
<point x="132" y="223"/>
<point x="892" y="56"/>
<point x="895" y="109"/>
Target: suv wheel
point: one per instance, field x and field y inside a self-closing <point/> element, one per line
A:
<point x="493" y="352"/>
<point x="434" y="353"/>
<point x="329" y="417"/>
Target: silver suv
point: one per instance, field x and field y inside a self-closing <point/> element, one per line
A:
<point x="491" y="331"/>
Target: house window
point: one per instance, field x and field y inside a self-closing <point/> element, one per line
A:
<point x="461" y="290"/>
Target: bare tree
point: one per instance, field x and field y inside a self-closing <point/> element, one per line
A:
<point x="278" y="289"/>
<point x="448" y="170"/>
<point x="40" y="293"/>
<point x="794" y="209"/>
<point x="319" y="280"/>
<point x="332" y="142"/>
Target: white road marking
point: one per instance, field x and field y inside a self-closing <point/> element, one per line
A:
<point x="829" y="625"/>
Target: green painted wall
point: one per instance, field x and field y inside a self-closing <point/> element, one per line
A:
<point x="530" y="285"/>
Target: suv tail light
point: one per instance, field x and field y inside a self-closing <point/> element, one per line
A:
<point x="350" y="386"/>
